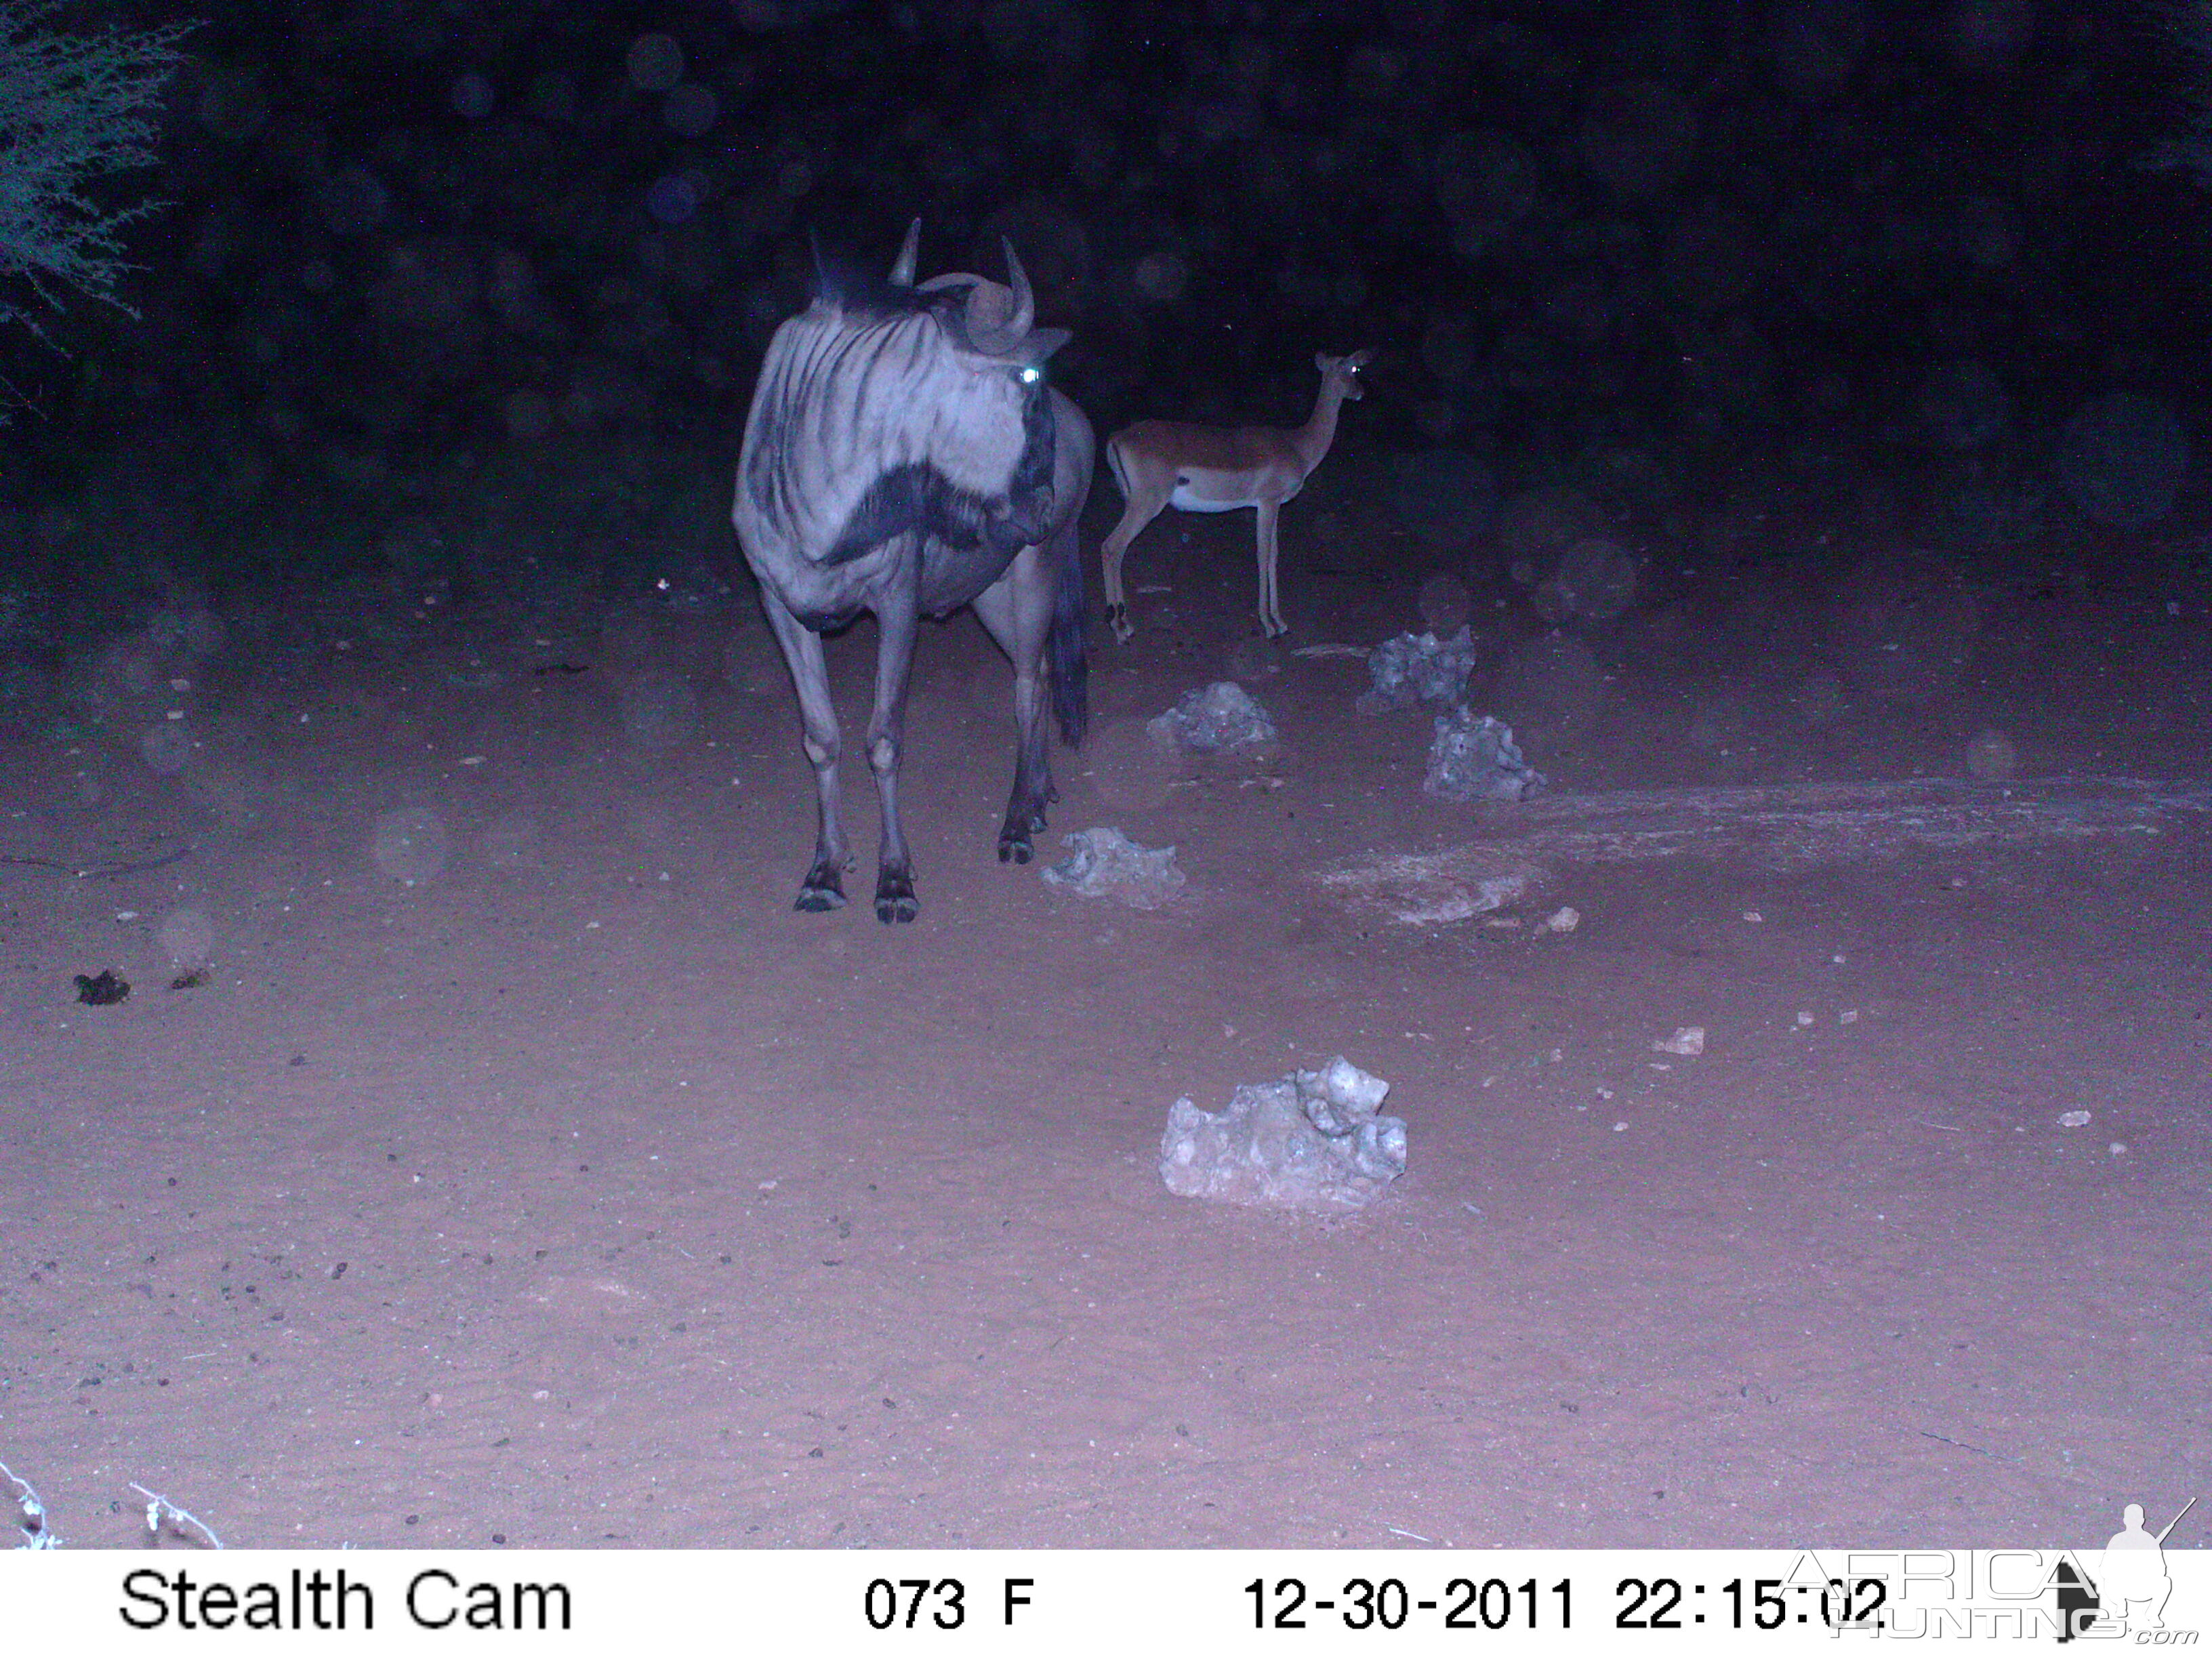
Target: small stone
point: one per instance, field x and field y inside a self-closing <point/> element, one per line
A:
<point x="1415" y="668"/>
<point x="1312" y="1141"/>
<point x="1221" y="718"/>
<point x="1475" y="758"/>
<point x="1107" y="863"/>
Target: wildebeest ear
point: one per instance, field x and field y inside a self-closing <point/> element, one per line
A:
<point x="1040" y="343"/>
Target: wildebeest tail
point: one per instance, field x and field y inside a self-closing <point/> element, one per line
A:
<point x="1066" y="644"/>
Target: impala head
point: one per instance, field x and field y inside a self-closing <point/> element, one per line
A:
<point x="1343" y="372"/>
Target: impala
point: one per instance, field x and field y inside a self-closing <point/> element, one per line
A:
<point x="1207" y="469"/>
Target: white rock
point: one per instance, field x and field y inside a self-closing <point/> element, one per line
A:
<point x="1312" y="1141"/>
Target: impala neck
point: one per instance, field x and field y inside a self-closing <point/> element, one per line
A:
<point x="1319" y="432"/>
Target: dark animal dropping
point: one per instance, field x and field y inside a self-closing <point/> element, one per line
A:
<point x="102" y="989"/>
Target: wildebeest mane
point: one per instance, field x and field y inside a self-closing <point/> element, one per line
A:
<point x="864" y="295"/>
<point x="918" y="497"/>
<point x="912" y="497"/>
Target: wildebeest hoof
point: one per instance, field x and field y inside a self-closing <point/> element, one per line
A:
<point x="821" y="890"/>
<point x="895" y="900"/>
<point x="1015" y="849"/>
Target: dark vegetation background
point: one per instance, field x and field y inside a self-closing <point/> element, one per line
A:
<point x="464" y="300"/>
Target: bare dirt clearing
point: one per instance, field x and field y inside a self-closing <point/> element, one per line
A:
<point x="527" y="1172"/>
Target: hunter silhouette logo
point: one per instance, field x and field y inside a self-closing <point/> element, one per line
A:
<point x="2131" y="1585"/>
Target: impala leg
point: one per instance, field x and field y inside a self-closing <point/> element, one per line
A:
<point x="1016" y="610"/>
<point x="1139" y="511"/>
<point x="823" y="888"/>
<point x="896" y="623"/>
<point x="1271" y="611"/>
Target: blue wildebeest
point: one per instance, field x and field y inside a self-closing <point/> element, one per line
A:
<point x="905" y="457"/>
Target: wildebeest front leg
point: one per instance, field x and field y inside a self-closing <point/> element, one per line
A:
<point x="1017" y="612"/>
<point x="898" y="620"/>
<point x="825" y="886"/>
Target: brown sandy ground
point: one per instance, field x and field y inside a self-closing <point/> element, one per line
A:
<point x="525" y="1171"/>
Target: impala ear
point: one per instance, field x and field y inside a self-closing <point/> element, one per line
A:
<point x="1321" y="362"/>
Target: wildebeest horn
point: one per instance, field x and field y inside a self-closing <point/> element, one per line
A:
<point x="997" y="318"/>
<point x="902" y="267"/>
<point x="1024" y="301"/>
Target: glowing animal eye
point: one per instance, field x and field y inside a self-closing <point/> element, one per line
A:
<point x="1031" y="375"/>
